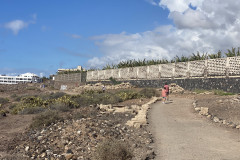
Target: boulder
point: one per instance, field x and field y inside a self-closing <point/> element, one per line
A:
<point x="204" y="111"/>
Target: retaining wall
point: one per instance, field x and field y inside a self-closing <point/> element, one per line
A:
<point x="225" y="84"/>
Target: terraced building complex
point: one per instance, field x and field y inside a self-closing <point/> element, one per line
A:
<point x="23" y="78"/>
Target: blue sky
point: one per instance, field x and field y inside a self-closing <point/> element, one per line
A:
<point x="42" y="36"/>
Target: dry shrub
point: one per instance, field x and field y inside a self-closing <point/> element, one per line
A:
<point x="86" y="112"/>
<point x="149" y="92"/>
<point x="33" y="110"/>
<point x="53" y="95"/>
<point x="46" y="119"/>
<point x="111" y="149"/>
<point x="60" y="107"/>
<point x="3" y="100"/>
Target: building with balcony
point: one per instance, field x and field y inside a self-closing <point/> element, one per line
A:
<point x="23" y="78"/>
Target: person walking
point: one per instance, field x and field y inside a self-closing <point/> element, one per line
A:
<point x="103" y="88"/>
<point x="164" y="95"/>
<point x="167" y="91"/>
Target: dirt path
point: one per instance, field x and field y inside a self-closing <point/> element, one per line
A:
<point x="10" y="126"/>
<point x="182" y="135"/>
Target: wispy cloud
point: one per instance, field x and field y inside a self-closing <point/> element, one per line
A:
<point x="152" y="2"/>
<point x="73" y="53"/>
<point x="75" y="36"/>
<point x="16" y="25"/>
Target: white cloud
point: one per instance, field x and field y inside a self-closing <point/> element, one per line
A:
<point x="214" y="25"/>
<point x="16" y="26"/>
<point x="192" y="19"/>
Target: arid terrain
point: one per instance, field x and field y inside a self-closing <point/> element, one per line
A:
<point x="79" y="132"/>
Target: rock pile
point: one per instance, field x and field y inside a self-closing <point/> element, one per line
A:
<point x="141" y="118"/>
<point x="98" y="87"/>
<point x="174" y="88"/>
<point x="141" y="112"/>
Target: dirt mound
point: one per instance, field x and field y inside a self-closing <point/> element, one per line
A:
<point x="79" y="138"/>
<point x="224" y="107"/>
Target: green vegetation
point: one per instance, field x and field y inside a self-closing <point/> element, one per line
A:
<point x="63" y="103"/>
<point x="111" y="149"/>
<point x="3" y="101"/>
<point x="128" y="94"/>
<point x="198" y="91"/>
<point x="233" y="52"/>
<point x="149" y="92"/>
<point x="194" y="57"/>
<point x="222" y="93"/>
<point x="35" y="102"/>
<point x="70" y="71"/>
<point x="114" y="81"/>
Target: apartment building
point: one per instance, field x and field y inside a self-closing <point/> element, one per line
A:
<point x="23" y="78"/>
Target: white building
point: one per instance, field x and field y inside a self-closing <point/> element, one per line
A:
<point x="23" y="78"/>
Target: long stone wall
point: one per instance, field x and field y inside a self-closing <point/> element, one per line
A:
<point x="225" y="84"/>
<point x="226" y="67"/>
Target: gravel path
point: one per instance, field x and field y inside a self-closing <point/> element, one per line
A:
<point x="182" y="135"/>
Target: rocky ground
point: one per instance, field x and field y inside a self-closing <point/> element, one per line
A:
<point x="77" y="137"/>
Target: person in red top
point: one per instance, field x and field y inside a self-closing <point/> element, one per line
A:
<point x="167" y="90"/>
<point x="164" y="95"/>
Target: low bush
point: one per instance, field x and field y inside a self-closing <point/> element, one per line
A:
<point x="28" y="102"/>
<point x="53" y="95"/>
<point x="13" y="96"/>
<point x="106" y="98"/>
<point x="86" y="112"/>
<point x="113" y="150"/>
<point x="33" y="110"/>
<point x="128" y="94"/>
<point x="12" y="106"/>
<point x="96" y="98"/>
<point x="222" y="93"/>
<point x="198" y="91"/>
<point x="114" y="81"/>
<point x="59" y="107"/>
<point x="84" y="99"/>
<point x="3" y="100"/>
<point x="45" y="119"/>
<point x="149" y="92"/>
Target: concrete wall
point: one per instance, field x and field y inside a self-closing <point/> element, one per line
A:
<point x="229" y="66"/>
